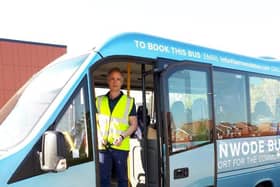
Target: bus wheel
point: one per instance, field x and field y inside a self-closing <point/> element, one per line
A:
<point x="265" y="184"/>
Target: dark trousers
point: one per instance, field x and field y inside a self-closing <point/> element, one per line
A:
<point x="113" y="158"/>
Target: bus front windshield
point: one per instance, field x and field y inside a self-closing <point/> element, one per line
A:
<point x="20" y="115"/>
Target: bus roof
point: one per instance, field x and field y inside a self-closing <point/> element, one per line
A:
<point x="148" y="46"/>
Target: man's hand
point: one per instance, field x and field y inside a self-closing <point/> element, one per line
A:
<point x="118" y="140"/>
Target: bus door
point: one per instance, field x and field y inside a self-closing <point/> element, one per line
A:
<point x="185" y="104"/>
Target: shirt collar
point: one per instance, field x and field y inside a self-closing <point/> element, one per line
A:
<point x="119" y="96"/>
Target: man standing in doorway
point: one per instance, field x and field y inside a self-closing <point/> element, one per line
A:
<point x="116" y="121"/>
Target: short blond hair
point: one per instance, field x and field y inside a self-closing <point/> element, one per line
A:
<point x="114" y="69"/>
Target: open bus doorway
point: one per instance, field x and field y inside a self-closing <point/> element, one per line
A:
<point x="138" y="83"/>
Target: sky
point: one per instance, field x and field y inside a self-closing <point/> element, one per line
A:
<point x="246" y="27"/>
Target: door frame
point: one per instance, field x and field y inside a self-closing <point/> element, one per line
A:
<point x="163" y="67"/>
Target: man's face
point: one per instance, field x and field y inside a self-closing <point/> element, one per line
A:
<point x="115" y="81"/>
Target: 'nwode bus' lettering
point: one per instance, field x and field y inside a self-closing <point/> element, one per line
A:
<point x="243" y="148"/>
<point x="273" y="145"/>
<point x="223" y="150"/>
<point x="234" y="149"/>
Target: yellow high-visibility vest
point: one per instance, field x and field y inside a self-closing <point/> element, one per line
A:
<point x="111" y="125"/>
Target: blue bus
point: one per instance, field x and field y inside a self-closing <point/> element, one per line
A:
<point x="208" y="118"/>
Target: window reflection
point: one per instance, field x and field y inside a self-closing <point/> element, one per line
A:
<point x="230" y="105"/>
<point x="73" y="125"/>
<point x="264" y="94"/>
<point x="189" y="109"/>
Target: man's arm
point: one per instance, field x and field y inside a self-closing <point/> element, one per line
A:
<point x="132" y="127"/>
<point x="132" y="121"/>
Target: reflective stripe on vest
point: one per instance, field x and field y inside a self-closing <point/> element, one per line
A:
<point x="115" y="123"/>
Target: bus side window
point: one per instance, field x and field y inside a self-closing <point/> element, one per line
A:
<point x="181" y="133"/>
<point x="262" y="113"/>
<point x="199" y="110"/>
<point x="179" y="116"/>
<point x="73" y="124"/>
<point x="277" y="110"/>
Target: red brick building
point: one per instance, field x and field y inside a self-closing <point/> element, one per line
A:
<point x="19" y="60"/>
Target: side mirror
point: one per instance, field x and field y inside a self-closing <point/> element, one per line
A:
<point x="53" y="155"/>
